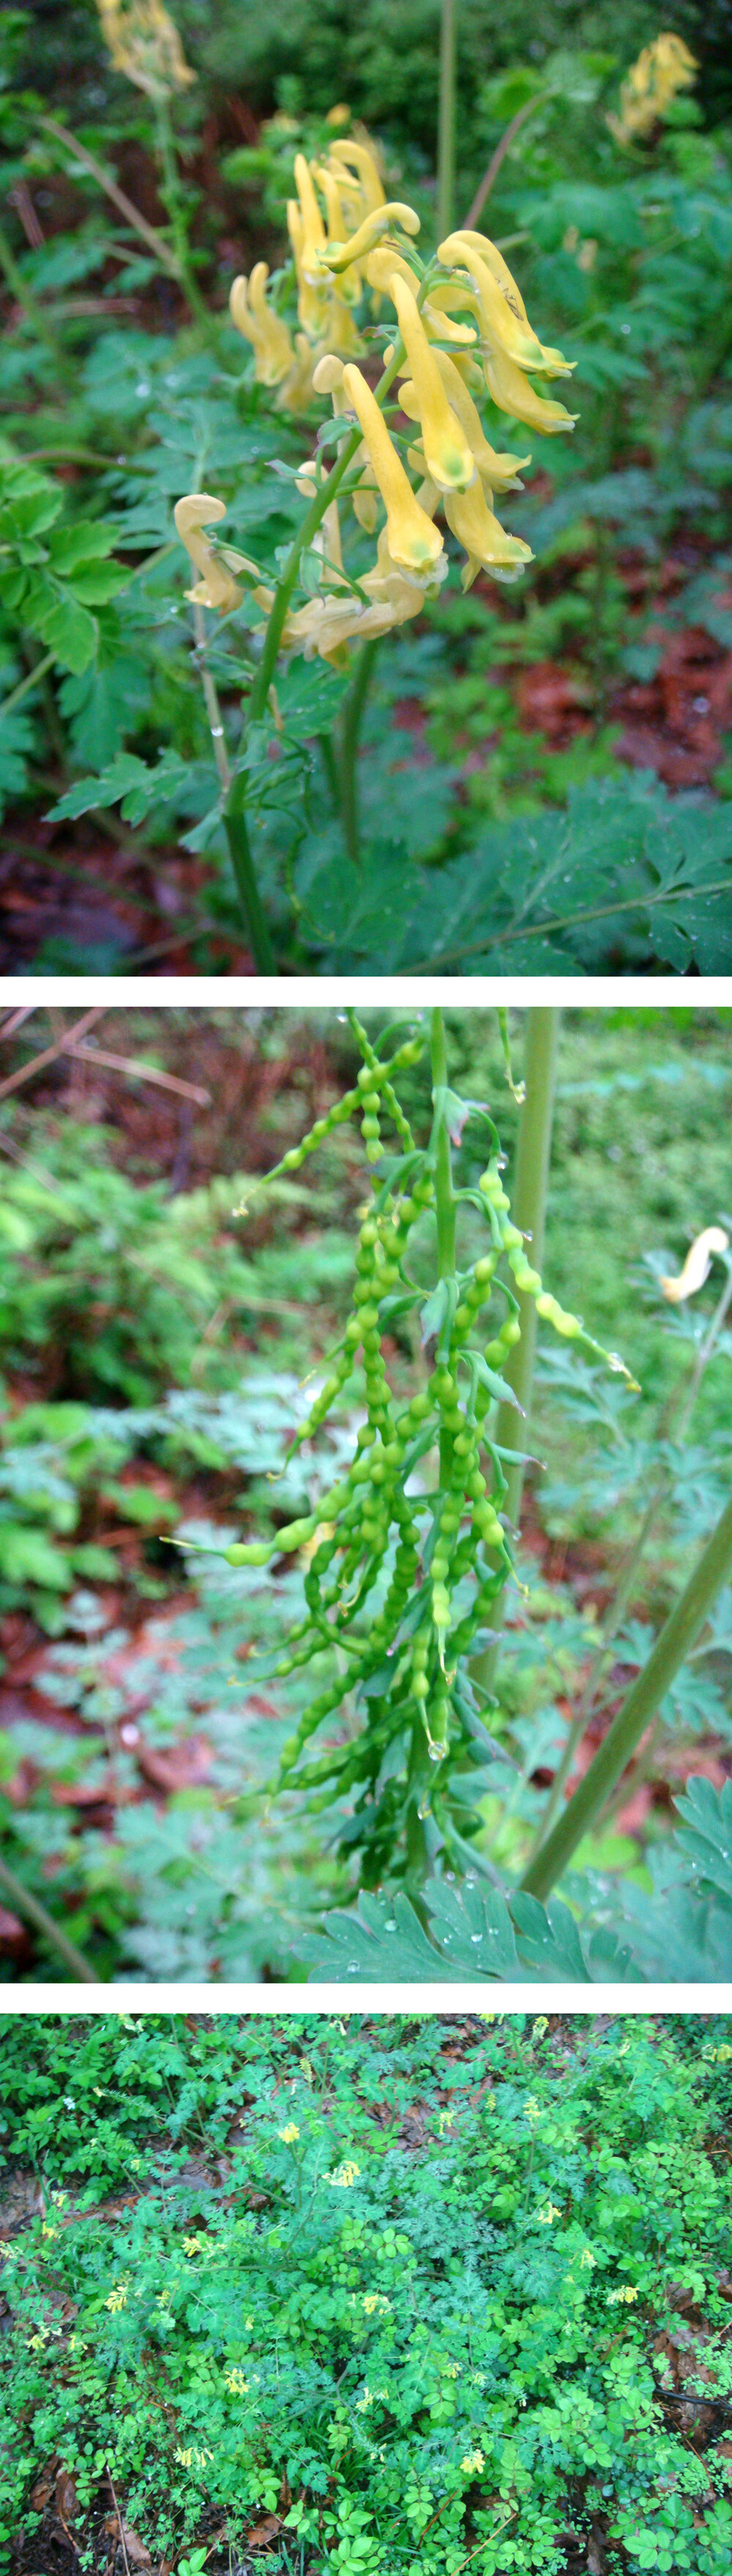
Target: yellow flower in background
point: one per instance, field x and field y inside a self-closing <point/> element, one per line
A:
<point x="697" y="1265"/>
<point x="117" y="2298"/>
<point x="662" y="69"/>
<point x="532" y="2107"/>
<point x="192" y="2245"/>
<point x="473" y="2460"/>
<point x="373" y="2304"/>
<point x="274" y="355"/>
<point x="546" y="2217"/>
<point x="145" y="45"/>
<point x="289" y="2134"/>
<point x="587" y="2260"/>
<point x="621" y="2298"/>
<point x="236" y="2382"/>
<point x="345" y="2175"/>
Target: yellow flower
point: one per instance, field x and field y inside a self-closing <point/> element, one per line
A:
<point x="448" y="455"/>
<point x="473" y="2460"/>
<point x="381" y="220"/>
<point x="48" y="2231"/>
<point x="502" y="314"/>
<point x="499" y="471"/>
<point x="413" y="539"/>
<point x="59" y="2198"/>
<point x="587" y="2260"/>
<point x="117" y="2298"/>
<point x="486" y="543"/>
<point x="545" y="2217"/>
<point x="532" y="2107"/>
<point x="236" y="2382"/>
<point x="217" y="588"/>
<point x="185" y="2457"/>
<point x="697" y="1264"/>
<point x="345" y="2175"/>
<point x="372" y="2302"/>
<point x="191" y="2245"/>
<point x="510" y="392"/>
<point x="652" y="82"/>
<point x="270" y="339"/>
<point x="623" y="2297"/>
<point x="145" y="45"/>
<point x="289" y="2134"/>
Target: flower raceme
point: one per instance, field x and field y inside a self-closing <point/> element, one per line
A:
<point x="662" y="69"/>
<point x="145" y="45"/>
<point x="457" y="332"/>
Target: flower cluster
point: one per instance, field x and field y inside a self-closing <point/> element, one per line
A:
<point x="458" y="331"/>
<point x="621" y="2298"/>
<point x="373" y="2304"/>
<point x="546" y="2217"/>
<point x="236" y="2382"/>
<point x="145" y="45"/>
<point x="473" y="2462"/>
<point x="345" y="2175"/>
<point x="117" y="2298"/>
<point x="289" y="2134"/>
<point x="649" y="87"/>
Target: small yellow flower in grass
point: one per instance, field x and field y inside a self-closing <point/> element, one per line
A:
<point x="445" y="2120"/>
<point x="532" y="2107"/>
<point x="192" y="2245"/>
<point x="374" y="2304"/>
<point x="59" y="2198"/>
<point x="546" y="2217"/>
<point x="289" y="2134"/>
<point x="587" y="2260"/>
<point x="48" y="2231"/>
<point x="622" y="2297"/>
<point x="36" y="2341"/>
<point x="345" y="2175"/>
<point x="117" y="2298"/>
<point x="236" y="2382"/>
<point x="185" y="2457"/>
<point x="473" y="2460"/>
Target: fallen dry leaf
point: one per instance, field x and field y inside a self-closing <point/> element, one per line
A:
<point x="262" y="2532"/>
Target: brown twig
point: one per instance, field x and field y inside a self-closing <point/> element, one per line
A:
<point x="120" y="2524"/>
<point x="124" y="204"/>
<point x="145" y="1072"/>
<point x="26" y="1071"/>
<point x="491" y="174"/>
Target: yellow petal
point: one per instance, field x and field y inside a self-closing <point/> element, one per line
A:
<point x="269" y="336"/>
<point x="509" y="388"/>
<point x="359" y="157"/>
<point x="697" y="1264"/>
<point x="413" y="539"/>
<point x="503" y="327"/>
<point x="381" y="220"/>
<point x="449" y="457"/>
<point x="485" y="541"/>
<point x="498" y="470"/>
<point x="217" y="588"/>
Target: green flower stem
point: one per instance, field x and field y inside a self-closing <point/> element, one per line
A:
<point x="528" y="1212"/>
<point x="34" y="312"/>
<point x="445" y="1204"/>
<point x="351" y="722"/>
<point x="235" y="825"/>
<point x="446" y="125"/>
<point x="670" y="1651"/>
<point x="32" y="680"/>
<point x="175" y="207"/>
<point x="36" y="1913"/>
<point x="211" y="701"/>
<point x="625" y="1586"/>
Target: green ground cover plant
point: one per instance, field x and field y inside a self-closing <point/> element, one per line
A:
<point x="351" y="763"/>
<point x="383" y="2293"/>
<point x="362" y="1724"/>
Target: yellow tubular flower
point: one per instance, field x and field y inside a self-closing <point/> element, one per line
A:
<point x="313" y="239"/>
<point x="509" y="390"/>
<point x="662" y="68"/>
<point x="486" y="542"/>
<point x="359" y="157"/>
<point x="501" y="472"/>
<point x="217" y="588"/>
<point x="503" y="328"/>
<point x="382" y="220"/>
<point x="413" y="539"/>
<point x="269" y="336"/>
<point x="449" y="457"/>
<point x="697" y="1264"/>
<point x="145" y="45"/>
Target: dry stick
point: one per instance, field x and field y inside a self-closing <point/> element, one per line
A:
<point x="669" y="1653"/>
<point x="145" y="1072"/>
<point x="36" y="1913"/>
<point x="124" y="204"/>
<point x="491" y="174"/>
<point x="25" y="1072"/>
<point x="120" y="2524"/>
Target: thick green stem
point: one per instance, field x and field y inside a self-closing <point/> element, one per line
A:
<point x="669" y="1653"/>
<point x="255" y="920"/>
<point x="528" y="1209"/>
<point x="350" y="730"/>
<point x="444" y="1195"/>
<point x="35" y="1913"/>
<point x="446" y="126"/>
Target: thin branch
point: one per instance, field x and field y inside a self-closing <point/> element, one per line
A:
<point x="120" y="2524"/>
<point x="490" y="176"/>
<point x="143" y="1072"/>
<point x="124" y="204"/>
<point x="26" y="1071"/>
<point x="36" y="1914"/>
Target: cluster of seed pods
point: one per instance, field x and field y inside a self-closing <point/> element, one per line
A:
<point x="402" y="1571"/>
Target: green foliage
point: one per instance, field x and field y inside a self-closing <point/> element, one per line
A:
<point x="403" y="2283"/>
<point x="52" y="577"/>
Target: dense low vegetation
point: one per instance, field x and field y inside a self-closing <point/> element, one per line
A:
<point x="519" y="777"/>
<point x="158" y="1353"/>
<point x="382" y="2294"/>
